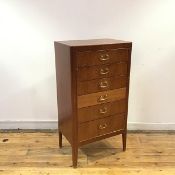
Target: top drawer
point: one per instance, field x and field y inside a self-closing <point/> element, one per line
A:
<point x="91" y="58"/>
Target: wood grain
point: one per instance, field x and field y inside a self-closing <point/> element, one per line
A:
<point x="64" y="91"/>
<point x="108" y="58"/>
<point x="93" y="99"/>
<point x="92" y="129"/>
<point x="88" y="171"/>
<point x="98" y="85"/>
<point x="99" y="57"/>
<point x="38" y="153"/>
<point x="94" y="72"/>
<point x="101" y="111"/>
<point x="95" y="42"/>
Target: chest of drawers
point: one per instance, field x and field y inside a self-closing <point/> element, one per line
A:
<point x="92" y="90"/>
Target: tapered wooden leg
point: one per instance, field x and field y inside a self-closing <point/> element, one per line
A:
<point x="74" y="156"/>
<point x="60" y="139"/>
<point x="124" y="140"/>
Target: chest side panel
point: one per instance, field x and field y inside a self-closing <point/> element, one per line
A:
<point x="64" y="91"/>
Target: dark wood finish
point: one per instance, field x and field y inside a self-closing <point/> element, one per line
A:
<point x="92" y="75"/>
<point x="124" y="140"/>
<point x="64" y="90"/>
<point x="124" y="134"/>
<point x="60" y="139"/>
<point x="102" y="71"/>
<point x="91" y="58"/>
<point x="100" y="111"/>
<point x="99" y="127"/>
<point x="101" y="137"/>
<point x="98" y="85"/>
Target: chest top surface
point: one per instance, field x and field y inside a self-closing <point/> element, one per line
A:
<point x="92" y="42"/>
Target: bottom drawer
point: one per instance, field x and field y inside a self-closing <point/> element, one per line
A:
<point x="99" y="127"/>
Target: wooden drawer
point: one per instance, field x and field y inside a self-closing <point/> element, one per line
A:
<point x="101" y="97"/>
<point x="98" y="85"/>
<point x="100" y="127"/>
<point x="91" y="58"/>
<point x="102" y="71"/>
<point x="101" y="111"/>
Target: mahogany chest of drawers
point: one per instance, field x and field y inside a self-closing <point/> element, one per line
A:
<point x="92" y="90"/>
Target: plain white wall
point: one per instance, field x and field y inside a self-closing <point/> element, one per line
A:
<point x="28" y="29"/>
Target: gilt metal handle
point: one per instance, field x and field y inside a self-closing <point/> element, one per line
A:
<point x="104" y="71"/>
<point x="104" y="57"/>
<point x="103" y="110"/>
<point x="103" y="126"/>
<point x="104" y="84"/>
<point x="102" y="98"/>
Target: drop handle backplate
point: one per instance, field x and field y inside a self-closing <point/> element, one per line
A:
<point x="104" y="84"/>
<point x="104" y="57"/>
<point x="103" y="110"/>
<point x="102" y="126"/>
<point x="102" y="98"/>
<point x="104" y="71"/>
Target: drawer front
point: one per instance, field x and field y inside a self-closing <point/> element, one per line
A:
<point x="101" y="97"/>
<point x="103" y="71"/>
<point x="101" y="110"/>
<point x="100" y="127"/>
<point x="98" y="85"/>
<point x="91" y="58"/>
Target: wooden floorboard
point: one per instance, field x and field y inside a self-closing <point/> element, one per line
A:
<point x="29" y="153"/>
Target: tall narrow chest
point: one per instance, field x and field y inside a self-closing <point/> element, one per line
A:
<point x="92" y="90"/>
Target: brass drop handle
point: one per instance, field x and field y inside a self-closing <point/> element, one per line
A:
<point x="103" y="111"/>
<point x="104" y="84"/>
<point x="104" y="57"/>
<point x="103" y="126"/>
<point x="102" y="98"/>
<point x="104" y="71"/>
